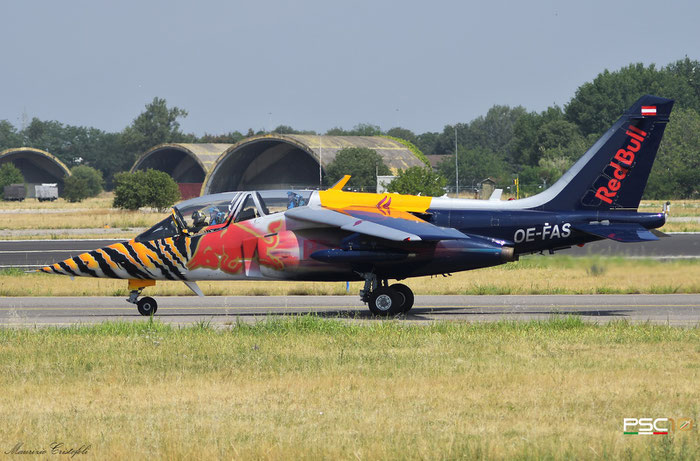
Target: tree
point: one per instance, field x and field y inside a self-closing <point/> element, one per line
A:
<point x="286" y="129"/>
<point x="428" y="143"/>
<point x="158" y="124"/>
<point x="151" y="188"/>
<point x="494" y="132"/>
<point x="676" y="171"/>
<point x="524" y="149"/>
<point x="78" y="145"/>
<point x="403" y="133"/>
<point x="558" y="145"/>
<point x="10" y="174"/>
<point x="232" y="137"/>
<point x="337" y="131"/>
<point x="597" y="104"/>
<point x="83" y="182"/>
<point x="9" y="137"/>
<point x="361" y="129"/>
<point x="362" y="163"/>
<point x="685" y="87"/>
<point x="475" y="165"/>
<point x="48" y="135"/>
<point x="418" y="181"/>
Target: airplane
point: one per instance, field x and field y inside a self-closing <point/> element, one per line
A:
<point x="333" y="235"/>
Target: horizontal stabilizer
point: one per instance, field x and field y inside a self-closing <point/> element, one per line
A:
<point x="621" y="232"/>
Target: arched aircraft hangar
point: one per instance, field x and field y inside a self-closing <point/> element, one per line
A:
<point x="277" y="161"/>
<point x="188" y="164"/>
<point x="37" y="167"/>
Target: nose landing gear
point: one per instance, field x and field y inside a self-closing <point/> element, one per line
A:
<point x="386" y="300"/>
<point x="147" y="305"/>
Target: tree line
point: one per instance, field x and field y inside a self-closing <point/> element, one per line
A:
<point x="507" y="141"/>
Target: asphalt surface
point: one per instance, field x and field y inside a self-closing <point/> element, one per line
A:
<point x="678" y="245"/>
<point x="38" y="253"/>
<point x="676" y="310"/>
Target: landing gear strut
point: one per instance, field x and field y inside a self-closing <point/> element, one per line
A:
<point x="147" y="305"/>
<point x="385" y="300"/>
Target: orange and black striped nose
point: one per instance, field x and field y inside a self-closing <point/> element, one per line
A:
<point x="163" y="259"/>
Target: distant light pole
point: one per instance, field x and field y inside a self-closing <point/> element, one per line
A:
<point x="456" y="166"/>
<point x="320" y="162"/>
<point x="269" y="114"/>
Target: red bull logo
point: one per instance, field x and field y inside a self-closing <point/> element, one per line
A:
<point x="621" y="164"/>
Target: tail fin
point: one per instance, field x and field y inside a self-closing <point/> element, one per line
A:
<point x="613" y="173"/>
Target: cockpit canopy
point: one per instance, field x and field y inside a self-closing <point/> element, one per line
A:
<point x="219" y="210"/>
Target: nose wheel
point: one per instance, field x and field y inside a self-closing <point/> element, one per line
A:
<point x="386" y="300"/>
<point x="146" y="306"/>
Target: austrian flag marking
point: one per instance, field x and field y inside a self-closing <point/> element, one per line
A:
<point x="648" y="110"/>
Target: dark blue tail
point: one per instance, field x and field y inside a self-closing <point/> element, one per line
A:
<point x="614" y="172"/>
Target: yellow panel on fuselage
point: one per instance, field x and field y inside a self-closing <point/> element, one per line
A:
<point x="341" y="199"/>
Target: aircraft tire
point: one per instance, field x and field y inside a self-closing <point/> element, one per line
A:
<point x="147" y="306"/>
<point x="407" y="294"/>
<point x="385" y="302"/>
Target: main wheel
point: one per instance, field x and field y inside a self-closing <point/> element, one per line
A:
<point x="407" y="295"/>
<point x="385" y="302"/>
<point x="147" y="306"/>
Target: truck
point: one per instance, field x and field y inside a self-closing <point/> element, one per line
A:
<point x="46" y="192"/>
<point x="14" y="192"/>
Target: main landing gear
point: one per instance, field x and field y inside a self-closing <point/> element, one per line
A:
<point x="386" y="300"/>
<point x="146" y="305"/>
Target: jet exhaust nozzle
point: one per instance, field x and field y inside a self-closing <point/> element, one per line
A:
<point x="508" y="254"/>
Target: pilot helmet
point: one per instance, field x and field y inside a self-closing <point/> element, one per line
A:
<point x="198" y="217"/>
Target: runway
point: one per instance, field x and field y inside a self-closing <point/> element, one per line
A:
<point x="676" y="310"/>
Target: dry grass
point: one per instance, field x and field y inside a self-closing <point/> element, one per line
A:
<point x="116" y="234"/>
<point x="92" y="218"/>
<point x="90" y="213"/>
<point x="531" y="275"/>
<point x="315" y="389"/>
<point x="104" y="200"/>
<point x="678" y="207"/>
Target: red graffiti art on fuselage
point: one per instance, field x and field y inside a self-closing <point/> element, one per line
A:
<point x="229" y="249"/>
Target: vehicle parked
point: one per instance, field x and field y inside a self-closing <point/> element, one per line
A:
<point x="15" y="192"/>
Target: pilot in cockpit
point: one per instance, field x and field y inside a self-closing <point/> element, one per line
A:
<point x="199" y="221"/>
<point x="294" y="200"/>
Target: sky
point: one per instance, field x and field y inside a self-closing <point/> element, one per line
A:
<point x="319" y="64"/>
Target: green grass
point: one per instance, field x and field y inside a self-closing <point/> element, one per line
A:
<point x="303" y="387"/>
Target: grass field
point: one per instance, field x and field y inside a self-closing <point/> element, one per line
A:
<point x="306" y="388"/>
<point x="530" y="275"/>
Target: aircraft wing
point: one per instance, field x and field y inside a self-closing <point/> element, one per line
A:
<point x="400" y="226"/>
<point x="620" y="232"/>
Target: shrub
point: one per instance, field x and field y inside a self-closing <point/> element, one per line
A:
<point x="418" y="181"/>
<point x="151" y="188"/>
<point x="362" y="163"/>
<point x="84" y="182"/>
<point x="9" y="174"/>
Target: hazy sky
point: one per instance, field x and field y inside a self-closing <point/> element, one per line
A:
<point x="318" y="64"/>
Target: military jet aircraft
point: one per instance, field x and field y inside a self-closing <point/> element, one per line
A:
<point x="333" y="235"/>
